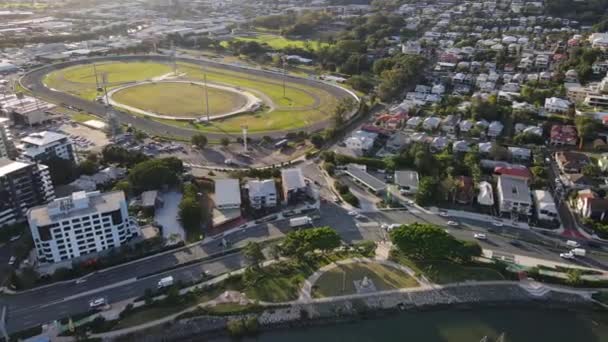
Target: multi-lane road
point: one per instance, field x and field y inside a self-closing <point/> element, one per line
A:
<point x="43" y="305"/>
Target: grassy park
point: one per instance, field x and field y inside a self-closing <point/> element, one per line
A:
<point x="279" y="42"/>
<point x="295" y="107"/>
<point x="340" y="280"/>
<point x="179" y="99"/>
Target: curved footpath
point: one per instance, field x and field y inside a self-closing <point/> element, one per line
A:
<point x="307" y="310"/>
<point x="33" y="81"/>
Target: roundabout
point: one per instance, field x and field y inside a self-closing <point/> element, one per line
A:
<point x="166" y="96"/>
<point x="183" y="100"/>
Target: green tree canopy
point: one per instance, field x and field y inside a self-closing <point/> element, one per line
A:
<point x="155" y="173"/>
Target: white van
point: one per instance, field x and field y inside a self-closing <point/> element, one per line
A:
<point x="573" y="244"/>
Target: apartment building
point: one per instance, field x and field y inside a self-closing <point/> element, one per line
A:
<point x="42" y="146"/>
<point x="262" y="193"/>
<point x="514" y="196"/>
<point x="5" y="139"/>
<point x="22" y="186"/>
<point x="80" y="224"/>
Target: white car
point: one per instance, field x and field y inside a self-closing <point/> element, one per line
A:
<point x="353" y="213"/>
<point x="452" y="223"/>
<point x="360" y="217"/>
<point x="497" y="223"/>
<point x="480" y="236"/>
<point x="12" y="260"/>
<point x="80" y="281"/>
<point x="97" y="303"/>
<point x="443" y="214"/>
<point x="567" y="255"/>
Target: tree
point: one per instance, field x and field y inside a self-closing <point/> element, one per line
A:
<point x="155" y="173"/>
<point x="428" y="242"/>
<point x="300" y="242"/>
<point x="427" y="189"/>
<point x="117" y="154"/>
<point x="317" y="140"/>
<point x="190" y="214"/>
<point x="342" y="109"/>
<point x="87" y="167"/>
<point x="587" y="127"/>
<point x="253" y="252"/>
<point x="574" y="276"/>
<point x="123" y="186"/>
<point x="592" y="171"/>
<point x="199" y="140"/>
<point x="528" y="138"/>
<point x="225" y="141"/>
<point x="498" y="152"/>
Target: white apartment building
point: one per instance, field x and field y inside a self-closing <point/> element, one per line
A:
<point x="546" y="210"/>
<point x="41" y="146"/>
<point x="262" y="193"/>
<point x="80" y="224"/>
<point x="514" y="196"/>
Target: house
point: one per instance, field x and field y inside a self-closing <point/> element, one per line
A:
<point x="571" y="162"/>
<point x="431" y="123"/>
<point x="515" y="171"/>
<point x="407" y="181"/>
<point x="413" y="122"/>
<point x="557" y="105"/>
<point x="262" y="193"/>
<point x="563" y="135"/>
<point x="465" y="125"/>
<point x="485" y="196"/>
<point x="293" y="184"/>
<point x="439" y="143"/>
<point x="495" y="129"/>
<point x="590" y="206"/>
<point x="150" y="199"/>
<point x="514" y="196"/>
<point x="227" y="194"/>
<point x="449" y="123"/>
<point x="546" y="210"/>
<point x="460" y="146"/>
<point x="464" y="190"/>
<point x="520" y="153"/>
<point x="361" y="141"/>
<point x="485" y="147"/>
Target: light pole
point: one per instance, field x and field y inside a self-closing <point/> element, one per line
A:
<point x="284" y="73"/>
<point x="206" y="92"/>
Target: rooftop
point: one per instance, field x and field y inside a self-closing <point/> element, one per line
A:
<point x="292" y="179"/>
<point x="9" y="166"/>
<point x="78" y="204"/>
<point x="43" y="138"/>
<point x="227" y="191"/>
<point x="514" y="189"/>
<point x="374" y="183"/>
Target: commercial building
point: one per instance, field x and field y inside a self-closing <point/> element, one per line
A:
<point x="25" y="110"/>
<point x="80" y="224"/>
<point x="407" y="181"/>
<point x="262" y="193"/>
<point x="227" y="194"/>
<point x="293" y="184"/>
<point x="374" y="184"/>
<point x="42" y="146"/>
<point x="514" y="196"/>
<point x="22" y="186"/>
<point x="546" y="210"/>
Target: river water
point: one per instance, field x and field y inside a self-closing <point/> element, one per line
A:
<point x="518" y="325"/>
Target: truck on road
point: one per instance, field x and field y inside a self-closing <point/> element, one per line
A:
<point x="165" y="282"/>
<point x="579" y="252"/>
<point x="300" y="221"/>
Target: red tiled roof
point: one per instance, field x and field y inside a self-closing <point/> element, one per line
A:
<point x="513" y="171"/>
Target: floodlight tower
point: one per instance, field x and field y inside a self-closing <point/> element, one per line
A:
<point x="173" y="58"/>
<point x="244" y="127"/>
<point x="284" y="73"/>
<point x="206" y="92"/>
<point x="96" y="78"/>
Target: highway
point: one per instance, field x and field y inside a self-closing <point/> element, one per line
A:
<point x="34" y="82"/>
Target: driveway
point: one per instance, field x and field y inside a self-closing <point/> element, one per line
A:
<point x="167" y="215"/>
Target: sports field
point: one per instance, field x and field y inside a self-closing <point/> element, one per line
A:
<point x="294" y="106"/>
<point x="179" y="99"/>
<point x="279" y="42"/>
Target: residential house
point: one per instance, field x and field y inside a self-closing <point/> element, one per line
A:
<point x="361" y="141"/>
<point x="546" y="210"/>
<point x="262" y="193"/>
<point x="563" y="135"/>
<point x="495" y="129"/>
<point x="227" y="194"/>
<point x="571" y="162"/>
<point x="414" y="122"/>
<point x="485" y="147"/>
<point x="449" y="123"/>
<point x="439" y="143"/>
<point x="592" y="207"/>
<point x="520" y="153"/>
<point x="407" y="181"/>
<point x="465" y="125"/>
<point x="431" y="123"/>
<point x="293" y="184"/>
<point x="512" y="170"/>
<point x="460" y="146"/>
<point x="557" y="105"/>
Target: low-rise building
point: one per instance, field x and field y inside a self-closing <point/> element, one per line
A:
<point x="563" y="135"/>
<point x="362" y="177"/>
<point x="5" y="139"/>
<point x="81" y="224"/>
<point x="514" y="196"/>
<point x="227" y="194"/>
<point x="262" y="193"/>
<point x="557" y="105"/>
<point x="293" y="184"/>
<point x="571" y="162"/>
<point x="546" y="210"/>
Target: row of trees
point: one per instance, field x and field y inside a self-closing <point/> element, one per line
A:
<point x="190" y="211"/>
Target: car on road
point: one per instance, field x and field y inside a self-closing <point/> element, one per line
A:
<point x="15" y="238"/>
<point x="480" y="236"/>
<point x="12" y="260"/>
<point x="353" y="213"/>
<point x="97" y="303"/>
<point x="571" y="243"/>
<point x="443" y="214"/>
<point x="360" y="217"/>
<point x="515" y="243"/>
<point x="80" y="281"/>
<point x="497" y="223"/>
<point x="452" y="223"/>
<point x="568" y="255"/>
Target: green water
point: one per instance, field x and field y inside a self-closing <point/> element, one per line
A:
<point x="519" y="325"/>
